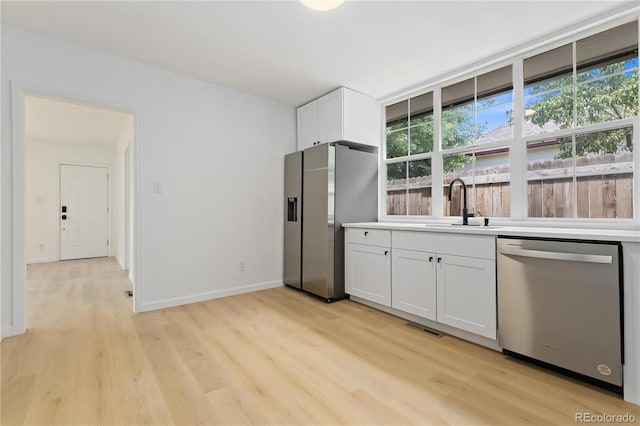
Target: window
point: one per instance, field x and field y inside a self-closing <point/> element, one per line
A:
<point x="409" y="143"/>
<point x="548" y="91"/>
<point x="607" y="75"/>
<point x="595" y="183"/>
<point x="476" y="131"/>
<point x="587" y="172"/>
<point x="578" y="127"/>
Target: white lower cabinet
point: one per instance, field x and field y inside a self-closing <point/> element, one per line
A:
<point x="467" y="294"/>
<point x="413" y="284"/>
<point x="369" y="273"/>
<point x="368" y="264"/>
<point x="415" y="272"/>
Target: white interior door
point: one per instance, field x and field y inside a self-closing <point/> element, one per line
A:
<point x="84" y="226"/>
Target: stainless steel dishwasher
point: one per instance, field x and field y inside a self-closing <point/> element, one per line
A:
<point x="560" y="303"/>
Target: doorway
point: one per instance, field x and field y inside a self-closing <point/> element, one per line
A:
<point x="45" y="242"/>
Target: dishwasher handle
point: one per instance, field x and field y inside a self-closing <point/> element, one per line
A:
<point x="571" y="257"/>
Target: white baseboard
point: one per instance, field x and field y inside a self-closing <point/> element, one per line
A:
<point x="7" y="332"/>
<point x="120" y="262"/>
<point x="42" y="260"/>
<point x="201" y="297"/>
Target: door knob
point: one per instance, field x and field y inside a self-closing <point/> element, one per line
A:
<point x="64" y="217"/>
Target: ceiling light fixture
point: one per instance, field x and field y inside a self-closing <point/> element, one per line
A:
<point x="322" y="4"/>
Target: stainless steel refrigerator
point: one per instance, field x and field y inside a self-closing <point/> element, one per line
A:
<point x="325" y="186"/>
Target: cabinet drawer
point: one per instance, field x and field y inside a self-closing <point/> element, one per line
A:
<point x="372" y="237"/>
<point x="478" y="246"/>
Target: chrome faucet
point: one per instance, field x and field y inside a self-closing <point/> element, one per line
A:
<point x="465" y="214"/>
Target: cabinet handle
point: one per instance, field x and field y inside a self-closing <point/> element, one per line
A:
<point x="366" y="233"/>
<point x="386" y="252"/>
<point x="430" y="259"/>
<point x="439" y="259"/>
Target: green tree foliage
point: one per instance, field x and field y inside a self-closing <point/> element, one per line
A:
<point x="604" y="93"/>
<point x="458" y="130"/>
<point x="458" y="127"/>
<point x="402" y="141"/>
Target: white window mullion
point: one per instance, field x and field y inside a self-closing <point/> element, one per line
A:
<point x="472" y="205"/>
<point x="636" y="170"/>
<point x="574" y="125"/>
<point x="408" y="130"/>
<point x="382" y="167"/>
<point x="437" y="171"/>
<point x="473" y="154"/>
<point x="517" y="148"/>
<point x="636" y="155"/>
<point x="409" y="153"/>
<point x="475" y="109"/>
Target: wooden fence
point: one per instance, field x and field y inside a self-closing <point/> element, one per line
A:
<point x="604" y="189"/>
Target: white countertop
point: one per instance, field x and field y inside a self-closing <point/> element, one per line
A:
<point x="629" y="235"/>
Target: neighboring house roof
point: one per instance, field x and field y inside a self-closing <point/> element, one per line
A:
<point x="505" y="132"/>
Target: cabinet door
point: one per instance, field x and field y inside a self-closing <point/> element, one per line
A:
<point x="368" y="270"/>
<point x="413" y="284"/>
<point x="360" y="118"/>
<point x="307" y="125"/>
<point x="330" y="117"/>
<point x="467" y="294"/>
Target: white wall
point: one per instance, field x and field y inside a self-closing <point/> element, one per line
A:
<point x="42" y="191"/>
<point x="125" y="140"/>
<point x="217" y="152"/>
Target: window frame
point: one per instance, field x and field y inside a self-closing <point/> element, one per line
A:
<point x="518" y="144"/>
<point x="405" y="158"/>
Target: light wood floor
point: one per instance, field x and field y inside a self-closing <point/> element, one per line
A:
<point x="271" y="357"/>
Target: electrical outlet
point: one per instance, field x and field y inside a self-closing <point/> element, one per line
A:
<point x="242" y="266"/>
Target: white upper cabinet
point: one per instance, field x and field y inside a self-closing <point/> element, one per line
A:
<point x="307" y="125"/>
<point x="330" y="117"/>
<point x="342" y="115"/>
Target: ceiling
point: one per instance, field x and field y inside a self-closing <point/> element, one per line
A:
<point x="55" y="120"/>
<point x="283" y="51"/>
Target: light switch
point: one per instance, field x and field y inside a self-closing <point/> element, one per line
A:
<point x="157" y="187"/>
